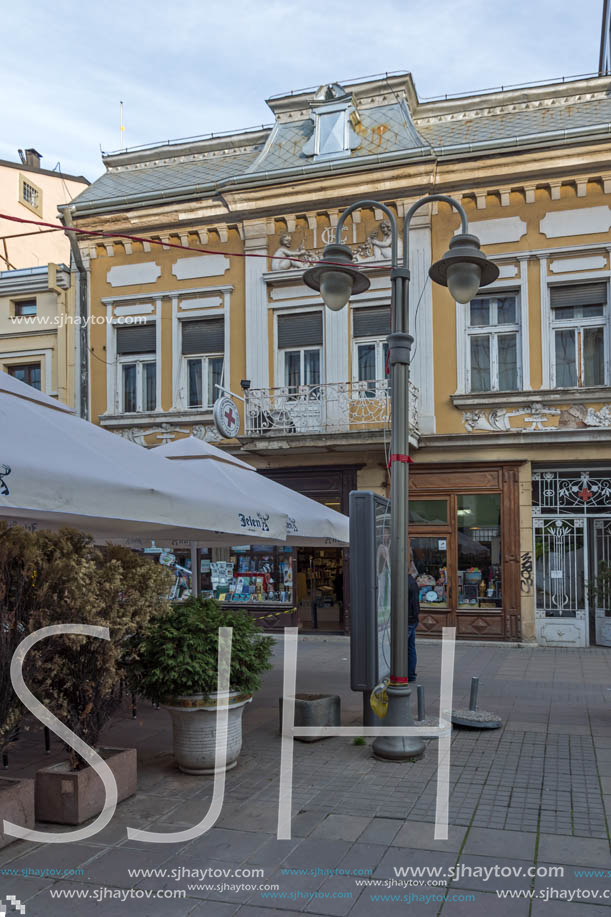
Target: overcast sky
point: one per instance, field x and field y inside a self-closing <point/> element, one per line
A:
<point x="195" y="66"/>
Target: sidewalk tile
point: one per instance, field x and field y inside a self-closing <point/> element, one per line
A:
<point x="341" y="827"/>
<point x="381" y="831"/>
<point x="493" y="843"/>
<point x="585" y="851"/>
<point x="421" y="834"/>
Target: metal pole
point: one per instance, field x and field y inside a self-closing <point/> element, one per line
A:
<point x="474" y="692"/>
<point x="420" y="693"/>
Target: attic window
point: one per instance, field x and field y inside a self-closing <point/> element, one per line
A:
<point x="333" y="134"/>
<point x="331" y="130"/>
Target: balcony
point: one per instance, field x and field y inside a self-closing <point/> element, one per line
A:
<point x="327" y="408"/>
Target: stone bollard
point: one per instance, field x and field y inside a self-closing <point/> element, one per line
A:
<point x="315" y="710"/>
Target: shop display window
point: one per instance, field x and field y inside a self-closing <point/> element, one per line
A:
<point x="431" y="562"/>
<point x="479" y="551"/>
<point x="254" y="573"/>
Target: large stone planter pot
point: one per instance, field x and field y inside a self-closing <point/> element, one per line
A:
<point x="315" y="710"/>
<point x="16" y="805"/>
<point x="194" y="727"/>
<point x="68" y="797"/>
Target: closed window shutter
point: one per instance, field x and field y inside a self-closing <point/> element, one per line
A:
<point x="136" y="339"/>
<point x="583" y="294"/>
<point x="205" y="335"/>
<point x="371" y="322"/>
<point x="304" y="330"/>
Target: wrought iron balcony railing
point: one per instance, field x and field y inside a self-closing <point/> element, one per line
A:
<point x="331" y="407"/>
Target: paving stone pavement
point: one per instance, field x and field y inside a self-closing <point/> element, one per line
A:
<point x="536" y="793"/>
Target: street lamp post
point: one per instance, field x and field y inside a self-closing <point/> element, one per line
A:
<point x="464" y="268"/>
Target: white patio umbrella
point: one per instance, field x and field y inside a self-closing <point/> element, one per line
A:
<point x="57" y="469"/>
<point x="309" y="522"/>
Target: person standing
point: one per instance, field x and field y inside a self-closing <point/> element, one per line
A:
<point x="413" y="609"/>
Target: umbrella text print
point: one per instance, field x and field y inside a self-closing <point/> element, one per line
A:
<point x="4" y="473"/>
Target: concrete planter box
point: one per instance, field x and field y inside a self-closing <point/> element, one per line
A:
<point x="194" y="729"/>
<point x="16" y="805"/>
<point x="315" y="710"/>
<point x="68" y="797"/>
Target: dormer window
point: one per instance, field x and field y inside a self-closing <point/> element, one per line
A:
<point x="333" y="134"/>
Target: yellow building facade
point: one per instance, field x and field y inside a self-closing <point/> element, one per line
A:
<point x="196" y="288"/>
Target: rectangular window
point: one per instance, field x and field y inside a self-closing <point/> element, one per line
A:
<point x="428" y="512"/>
<point x="300" y="351"/>
<point x="492" y="352"/>
<point x="370" y="328"/>
<point x="30" y="195"/>
<point x="479" y="551"/>
<point x="579" y="334"/>
<point x="139" y="386"/>
<point x="28" y="373"/>
<point x="25" y="307"/>
<point x="203" y="346"/>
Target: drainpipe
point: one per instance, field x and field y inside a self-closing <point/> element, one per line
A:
<point x="82" y="338"/>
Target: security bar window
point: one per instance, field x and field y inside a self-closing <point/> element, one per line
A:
<point x="580" y="334"/>
<point x="492" y="344"/>
<point x="203" y="344"/>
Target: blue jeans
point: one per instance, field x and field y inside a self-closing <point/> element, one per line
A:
<point x="412" y="658"/>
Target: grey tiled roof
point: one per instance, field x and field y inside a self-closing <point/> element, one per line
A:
<point x="171" y="177"/>
<point x="384" y="129"/>
<point x="488" y="128"/>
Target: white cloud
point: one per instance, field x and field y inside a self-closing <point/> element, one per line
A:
<point x="198" y="66"/>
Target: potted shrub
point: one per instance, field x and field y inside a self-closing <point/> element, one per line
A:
<point x="175" y="664"/>
<point x="78" y="678"/>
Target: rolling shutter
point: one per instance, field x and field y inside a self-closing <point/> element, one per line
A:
<point x="303" y="330"/>
<point x="136" y="339"/>
<point x="368" y="323"/>
<point x="582" y="294"/>
<point x="205" y="335"/>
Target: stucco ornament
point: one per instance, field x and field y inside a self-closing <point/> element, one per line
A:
<point x="282" y="259"/>
<point x="495" y="421"/>
<point x="166" y="433"/>
<point x="374" y="248"/>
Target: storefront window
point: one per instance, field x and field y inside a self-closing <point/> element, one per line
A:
<point x="254" y="573"/>
<point x="479" y="551"/>
<point x="428" y="512"/>
<point x="431" y="562"/>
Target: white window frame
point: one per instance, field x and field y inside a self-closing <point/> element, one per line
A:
<point x="139" y="360"/>
<point x="301" y="351"/>
<point x="381" y="380"/>
<point x="519" y="282"/>
<point x="279" y="352"/>
<point x="579" y="324"/>
<point x="493" y="331"/>
<point x="208" y="398"/>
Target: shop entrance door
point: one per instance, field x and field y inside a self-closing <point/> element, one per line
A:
<point x="431" y="553"/>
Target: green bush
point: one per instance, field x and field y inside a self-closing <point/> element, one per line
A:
<point x="178" y="652"/>
<point x="63" y="578"/>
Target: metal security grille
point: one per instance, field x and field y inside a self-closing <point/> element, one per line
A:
<point x="583" y="294"/>
<point x="140" y="339"/>
<point x="371" y="322"/>
<point x="206" y="335"/>
<point x="303" y="330"/>
<point x="559" y="553"/>
<point x="572" y="492"/>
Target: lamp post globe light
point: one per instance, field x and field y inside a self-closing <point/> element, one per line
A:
<point x="464" y="268"/>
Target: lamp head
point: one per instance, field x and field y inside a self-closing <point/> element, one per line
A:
<point x="336" y="281"/>
<point x="464" y="268"/>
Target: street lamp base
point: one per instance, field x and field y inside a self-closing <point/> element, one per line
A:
<point x="395" y="747"/>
